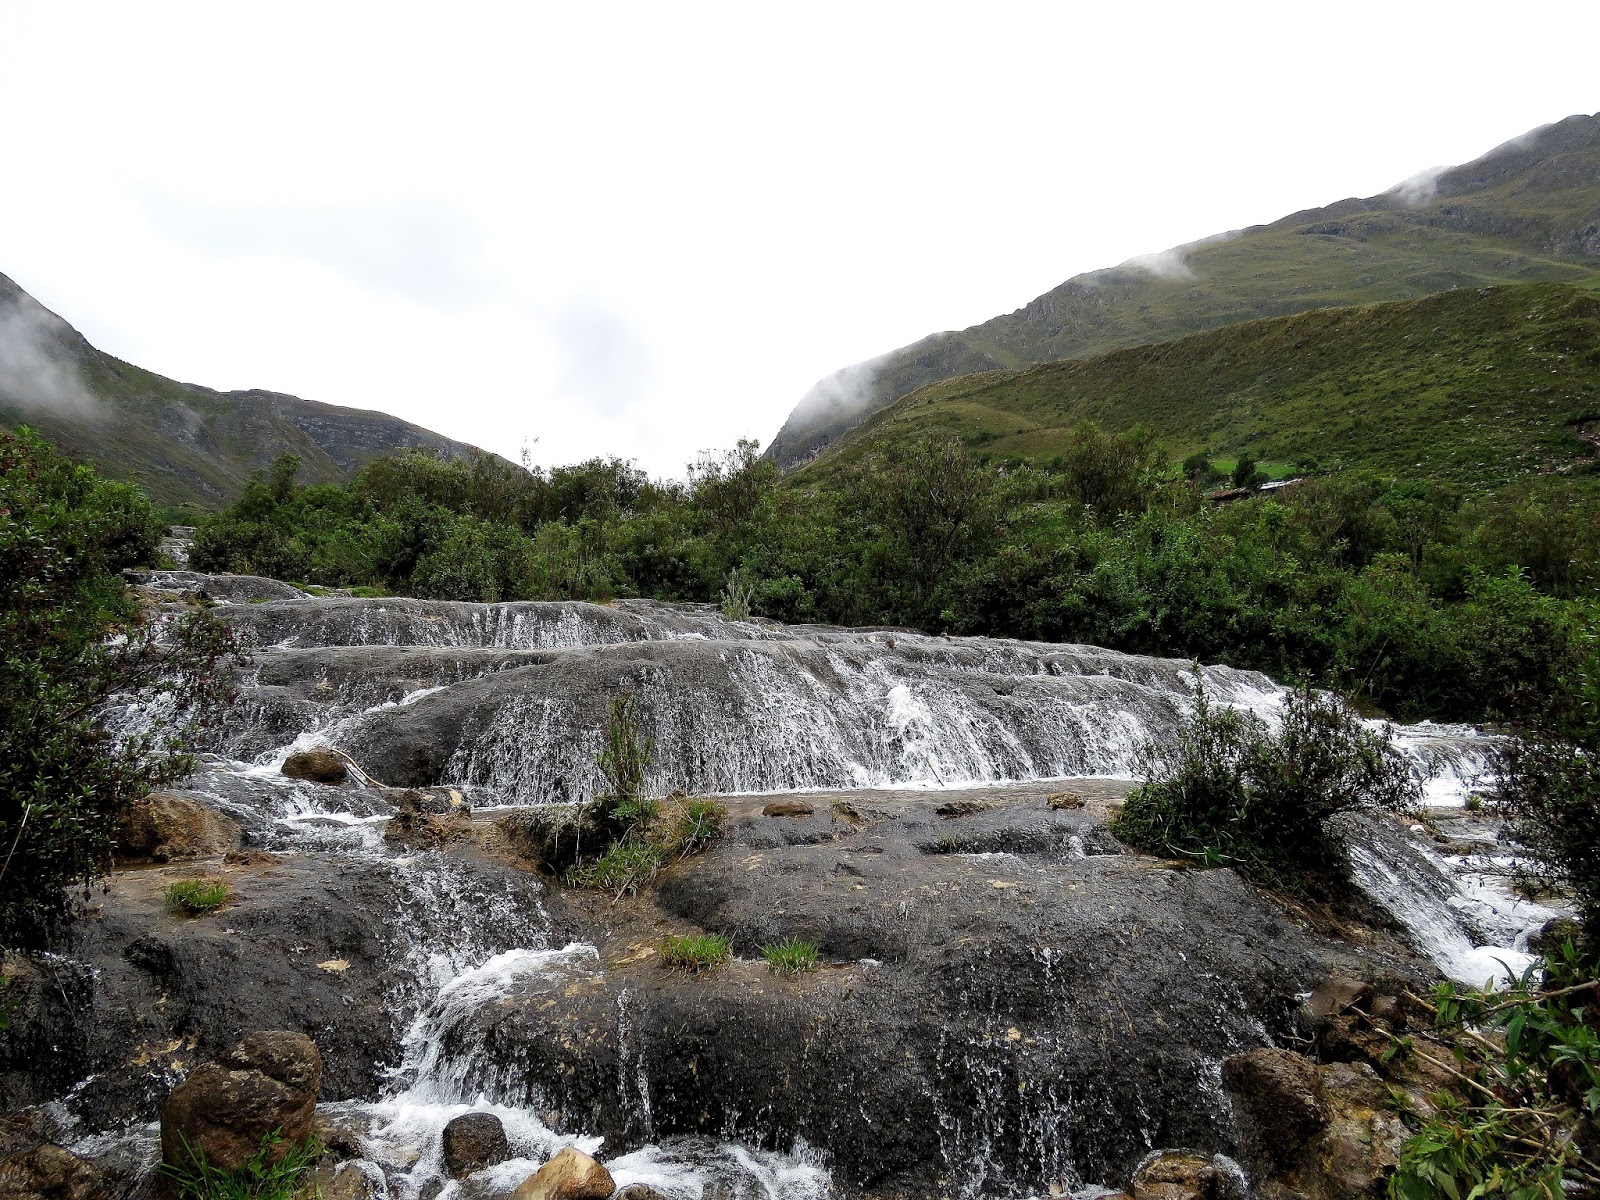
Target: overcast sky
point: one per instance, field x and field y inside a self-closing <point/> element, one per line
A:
<point x="647" y="229"/>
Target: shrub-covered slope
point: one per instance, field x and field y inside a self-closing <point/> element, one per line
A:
<point x="1527" y="211"/>
<point x="1476" y="387"/>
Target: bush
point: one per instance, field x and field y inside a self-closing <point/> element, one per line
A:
<point x="196" y="896"/>
<point x="695" y="952"/>
<point x="699" y="825"/>
<point x="267" y="1176"/>
<point x="76" y="648"/>
<point x="1548" y="791"/>
<point x="791" y="957"/>
<point x="1233" y="793"/>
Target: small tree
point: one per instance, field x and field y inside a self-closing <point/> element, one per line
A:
<point x="74" y="647"/>
<point x="1231" y="792"/>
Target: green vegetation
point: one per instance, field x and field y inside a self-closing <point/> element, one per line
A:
<point x="197" y="896"/>
<point x="691" y="825"/>
<point x="75" y="651"/>
<point x="1231" y="792"/>
<point x="274" y="1173"/>
<point x="624" y="868"/>
<point x="790" y="957"/>
<point x="695" y="952"/>
<point x="623" y="760"/>
<point x="1518" y="217"/>
<point x="1526" y="1062"/>
<point x="1418" y="598"/>
<point x="1475" y="389"/>
<point x="1548" y="790"/>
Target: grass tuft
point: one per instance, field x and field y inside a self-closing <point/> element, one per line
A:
<point x="695" y="952"/>
<point x="623" y="869"/>
<point x="197" y="896"/>
<point x="269" y="1175"/>
<point x="790" y="957"/>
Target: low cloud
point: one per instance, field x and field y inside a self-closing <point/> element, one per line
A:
<point x="421" y="250"/>
<point x="602" y="362"/>
<point x="1420" y="188"/>
<point x="1169" y="264"/>
<point x="36" y="376"/>
<point x="844" y="393"/>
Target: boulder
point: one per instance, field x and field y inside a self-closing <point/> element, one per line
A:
<point x="49" y="1172"/>
<point x="267" y="1084"/>
<point x="426" y="822"/>
<point x="473" y="1141"/>
<point x="1066" y="801"/>
<point x="789" y="808"/>
<point x="1185" y="1175"/>
<point x="163" y="827"/>
<point x="643" y="1191"/>
<point x="552" y="836"/>
<point x="570" y="1175"/>
<point x="1335" y="994"/>
<point x="961" y="808"/>
<point x="316" y="766"/>
<point x="1277" y="1095"/>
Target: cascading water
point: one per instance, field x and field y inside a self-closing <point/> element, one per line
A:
<point x="507" y="702"/>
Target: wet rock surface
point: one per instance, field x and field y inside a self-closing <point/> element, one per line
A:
<point x="473" y="1141"/>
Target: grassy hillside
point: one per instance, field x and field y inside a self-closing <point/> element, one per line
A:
<point x="1478" y="387"/>
<point x="191" y="448"/>
<point x="1528" y="211"/>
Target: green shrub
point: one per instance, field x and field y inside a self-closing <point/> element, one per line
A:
<point x="790" y="957"/>
<point x="623" y="869"/>
<point x="196" y="896"/>
<point x="1231" y="792"/>
<point x="1548" y="790"/>
<point x="271" y="1174"/>
<point x="736" y="596"/>
<point x="695" y="952"/>
<point x="74" y="640"/>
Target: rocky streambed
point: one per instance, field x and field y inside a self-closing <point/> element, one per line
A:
<point x="1008" y="1003"/>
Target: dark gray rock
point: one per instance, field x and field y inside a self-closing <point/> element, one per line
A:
<point x="473" y="1141"/>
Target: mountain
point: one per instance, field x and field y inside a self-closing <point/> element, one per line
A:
<point x="191" y="448"/>
<point x="1478" y="387"/>
<point x="1527" y="211"/>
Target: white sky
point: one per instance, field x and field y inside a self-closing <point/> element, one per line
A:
<point x="648" y="229"/>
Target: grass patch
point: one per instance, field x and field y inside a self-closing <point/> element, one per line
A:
<point x="687" y="826"/>
<point x="790" y="957"/>
<point x="272" y="1174"/>
<point x="197" y="896"/>
<point x="695" y="952"/>
<point x="623" y="869"/>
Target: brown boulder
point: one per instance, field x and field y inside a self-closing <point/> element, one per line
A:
<point x="317" y="766"/>
<point x="1277" y="1095"/>
<point x="49" y="1172"/>
<point x="162" y="827"/>
<point x="570" y="1175"/>
<point x="1184" y="1175"/>
<point x="789" y="808"/>
<point x="473" y="1141"/>
<point x="424" y="822"/>
<point x="643" y="1191"/>
<point x="1335" y="995"/>
<point x="1066" y="801"/>
<point x="225" y="1110"/>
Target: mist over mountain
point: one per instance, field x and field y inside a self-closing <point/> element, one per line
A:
<point x="1527" y="211"/>
<point x="190" y="447"/>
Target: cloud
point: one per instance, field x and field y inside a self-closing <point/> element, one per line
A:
<point x="844" y="393"/>
<point x="35" y="373"/>
<point x="602" y="362"/>
<point x="1168" y="264"/>
<point x="1418" y="189"/>
<point x="422" y="250"/>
